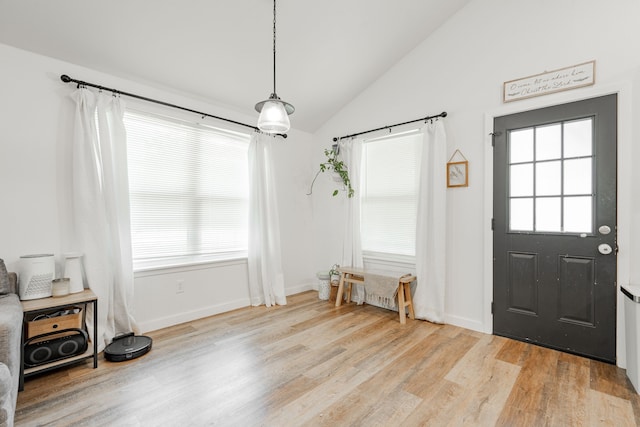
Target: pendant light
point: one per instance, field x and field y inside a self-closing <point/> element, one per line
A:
<point x="274" y="112"/>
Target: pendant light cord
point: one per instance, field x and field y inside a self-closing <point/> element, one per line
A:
<point x="274" y="47"/>
<point x="276" y="105"/>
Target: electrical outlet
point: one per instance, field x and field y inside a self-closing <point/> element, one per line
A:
<point x="180" y="287"/>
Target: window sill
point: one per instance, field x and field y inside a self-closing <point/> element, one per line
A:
<point x="176" y="267"/>
<point x="391" y="261"/>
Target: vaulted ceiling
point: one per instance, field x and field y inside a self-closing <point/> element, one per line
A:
<point x="220" y="51"/>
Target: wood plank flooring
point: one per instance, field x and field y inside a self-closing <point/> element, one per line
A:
<point x="311" y="364"/>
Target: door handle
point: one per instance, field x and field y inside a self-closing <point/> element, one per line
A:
<point x="605" y="249"/>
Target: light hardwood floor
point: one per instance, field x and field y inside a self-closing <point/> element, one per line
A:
<point x="309" y="363"/>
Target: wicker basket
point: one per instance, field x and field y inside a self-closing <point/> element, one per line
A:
<point x="52" y="323"/>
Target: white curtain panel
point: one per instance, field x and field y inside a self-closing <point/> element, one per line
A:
<point x="351" y="154"/>
<point x="115" y="173"/>
<point x="101" y="232"/>
<point x="266" y="280"/>
<point x="429" y="297"/>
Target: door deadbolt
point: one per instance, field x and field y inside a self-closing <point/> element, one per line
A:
<point x="605" y="249"/>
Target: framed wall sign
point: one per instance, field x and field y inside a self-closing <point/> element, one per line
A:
<point x="550" y="82"/>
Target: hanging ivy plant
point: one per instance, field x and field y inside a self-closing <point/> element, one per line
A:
<point x="338" y="168"/>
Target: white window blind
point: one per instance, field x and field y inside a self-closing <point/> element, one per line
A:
<point x="189" y="191"/>
<point x="389" y="194"/>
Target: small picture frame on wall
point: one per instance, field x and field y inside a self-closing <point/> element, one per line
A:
<point x="458" y="174"/>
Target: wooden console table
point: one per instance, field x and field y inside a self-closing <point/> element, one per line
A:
<point x="351" y="275"/>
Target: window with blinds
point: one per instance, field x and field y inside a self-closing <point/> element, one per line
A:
<point x="389" y="191"/>
<point x="188" y="189"/>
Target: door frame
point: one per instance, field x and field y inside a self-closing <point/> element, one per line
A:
<point x="625" y="127"/>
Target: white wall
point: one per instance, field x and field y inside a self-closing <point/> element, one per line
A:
<point x="460" y="69"/>
<point x="35" y="183"/>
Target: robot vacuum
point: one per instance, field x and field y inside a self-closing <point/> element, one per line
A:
<point x="127" y="347"/>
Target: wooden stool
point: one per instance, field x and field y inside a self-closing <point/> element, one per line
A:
<point x="333" y="291"/>
<point x="349" y="276"/>
<point x="404" y="298"/>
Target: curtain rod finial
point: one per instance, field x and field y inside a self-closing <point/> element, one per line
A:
<point x="65" y="78"/>
<point x="444" y="114"/>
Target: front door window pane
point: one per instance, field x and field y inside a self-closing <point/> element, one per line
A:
<point x="521" y="214"/>
<point x="548" y="214"/>
<point x="577" y="214"/>
<point x="578" y="140"/>
<point x="549" y="142"/>
<point x="521" y="180"/>
<point x="548" y="179"/>
<point x="577" y="176"/>
<point x="521" y="146"/>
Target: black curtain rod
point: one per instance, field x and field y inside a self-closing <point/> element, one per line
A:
<point x="443" y="114"/>
<point x="68" y="79"/>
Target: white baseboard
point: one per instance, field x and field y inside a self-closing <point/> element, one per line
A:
<point x="466" y="323"/>
<point x="301" y="288"/>
<point x="176" y="319"/>
<point x="188" y="316"/>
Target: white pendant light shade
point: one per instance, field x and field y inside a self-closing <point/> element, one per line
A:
<point x="273" y="118"/>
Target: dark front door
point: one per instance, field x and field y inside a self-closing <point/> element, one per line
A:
<point x="554" y="236"/>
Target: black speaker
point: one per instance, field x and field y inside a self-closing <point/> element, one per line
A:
<point x="54" y="346"/>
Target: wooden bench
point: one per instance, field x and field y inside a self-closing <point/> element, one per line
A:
<point x="350" y="275"/>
